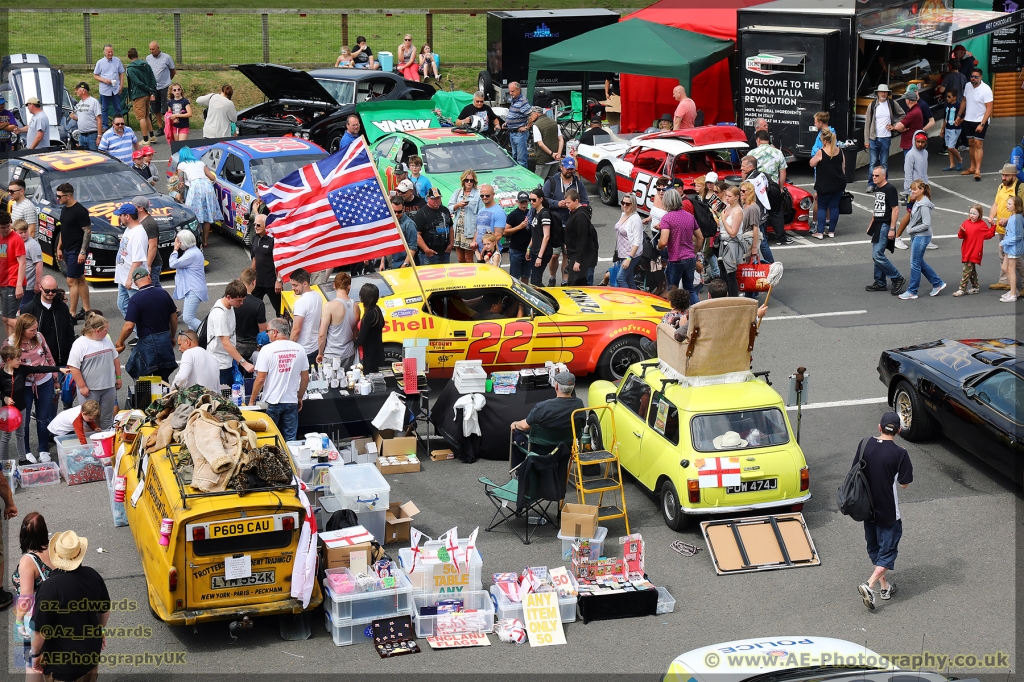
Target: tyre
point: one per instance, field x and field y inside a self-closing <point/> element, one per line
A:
<point x="916" y="423"/>
<point x="484" y="85"/>
<point x="619" y="356"/>
<point x="670" y="508"/>
<point x="392" y="352"/>
<point x="335" y="142"/>
<point x="605" y="181"/>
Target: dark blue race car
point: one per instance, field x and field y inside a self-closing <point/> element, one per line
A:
<point x="971" y="391"/>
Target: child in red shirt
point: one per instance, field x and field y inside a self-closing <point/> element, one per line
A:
<point x="973" y="231"/>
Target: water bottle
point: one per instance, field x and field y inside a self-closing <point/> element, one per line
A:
<point x="237" y="394"/>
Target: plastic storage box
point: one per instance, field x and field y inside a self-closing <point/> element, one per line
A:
<point x="78" y="464"/>
<point x="116" y="508"/>
<point x="666" y="604"/>
<point x="596" y="544"/>
<point x="360" y="487"/>
<point x="44" y="473"/>
<point x="356" y="606"/>
<point x="311" y="472"/>
<point x="433" y="575"/>
<point x="350" y="632"/>
<point x="475" y="600"/>
<point x="509" y="609"/>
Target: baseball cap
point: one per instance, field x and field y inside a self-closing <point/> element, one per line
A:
<point x="140" y="202"/>
<point x="405" y="186"/>
<point x="33" y="100"/>
<point x="147" y="151"/>
<point x="536" y="110"/>
<point x="569" y="162"/>
<point x="522" y="196"/>
<point x="402" y="168"/>
<point x="890" y="423"/>
<point x="82" y="84"/>
<point x="711" y="177"/>
<point x="137" y="154"/>
<point x="140" y="272"/>
<point x="2" y="100"/>
<point x="432" y="193"/>
<point x="565" y="379"/>
<point x="127" y="209"/>
<point x="595" y="119"/>
<point x="912" y="95"/>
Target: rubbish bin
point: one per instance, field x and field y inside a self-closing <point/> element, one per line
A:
<point x="850" y="157"/>
<point x="387" y="61"/>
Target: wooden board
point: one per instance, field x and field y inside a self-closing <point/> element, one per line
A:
<point x="1008" y="94"/>
<point x="759" y="541"/>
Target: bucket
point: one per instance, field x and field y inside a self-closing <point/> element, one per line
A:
<point x="387" y="61"/>
<point x="103" y="444"/>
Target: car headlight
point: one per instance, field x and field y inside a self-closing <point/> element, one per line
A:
<point x="304" y="136"/>
<point x="103" y="240"/>
<point x="806" y="203"/>
<point x="193" y="225"/>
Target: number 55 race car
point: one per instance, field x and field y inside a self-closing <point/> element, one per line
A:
<point x="590" y="329"/>
<point x="621" y="167"/>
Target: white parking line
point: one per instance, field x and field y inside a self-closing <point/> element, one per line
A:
<point x="957" y="194"/>
<point x="827" y="243"/>
<point x="936" y="208"/>
<point x="837" y="313"/>
<point x="840" y="403"/>
<point x="93" y="290"/>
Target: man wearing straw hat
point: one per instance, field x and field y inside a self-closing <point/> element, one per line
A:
<point x="72" y="607"/>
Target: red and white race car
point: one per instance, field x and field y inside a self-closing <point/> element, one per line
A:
<point x="634" y="166"/>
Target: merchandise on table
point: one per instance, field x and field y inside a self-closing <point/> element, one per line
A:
<point x="44" y="473"/>
<point x="393" y="637"/>
<point x="504" y="383"/>
<point x="509" y="594"/>
<point x="78" y="463"/>
<point x="469" y="376"/>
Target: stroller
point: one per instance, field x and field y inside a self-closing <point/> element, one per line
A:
<point x="649" y="274"/>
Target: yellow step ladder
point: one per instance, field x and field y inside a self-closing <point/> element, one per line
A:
<point x="609" y="480"/>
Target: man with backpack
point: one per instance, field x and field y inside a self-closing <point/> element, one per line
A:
<point x="555" y="188"/>
<point x="581" y="243"/>
<point x="885" y="465"/>
<point x="772" y="163"/>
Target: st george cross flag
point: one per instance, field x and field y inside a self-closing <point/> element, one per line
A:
<point x="332" y="212"/>
<point x="719" y="472"/>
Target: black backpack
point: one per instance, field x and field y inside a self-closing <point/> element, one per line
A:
<point x="854" y="495"/>
<point x="557" y="238"/>
<point x="201" y="332"/>
<point x="705" y="217"/>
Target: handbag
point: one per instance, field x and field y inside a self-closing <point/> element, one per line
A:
<point x="846" y="204"/>
<point x="752" y="277"/>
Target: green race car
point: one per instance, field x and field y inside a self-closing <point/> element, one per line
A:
<point x="446" y="153"/>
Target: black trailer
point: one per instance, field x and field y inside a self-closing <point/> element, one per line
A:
<point x="513" y="35"/>
<point x="797" y="57"/>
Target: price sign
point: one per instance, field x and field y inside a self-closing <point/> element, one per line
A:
<point x="543" y="622"/>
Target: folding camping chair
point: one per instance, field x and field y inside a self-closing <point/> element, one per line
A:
<point x="571" y="122"/>
<point x="541" y="484"/>
<point x="539" y="440"/>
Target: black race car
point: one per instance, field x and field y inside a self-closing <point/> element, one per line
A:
<point x="970" y="390"/>
<point x="101" y="184"/>
<point x="23" y="76"/>
<point x="315" y="105"/>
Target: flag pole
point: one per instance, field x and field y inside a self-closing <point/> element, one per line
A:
<point x="391" y="210"/>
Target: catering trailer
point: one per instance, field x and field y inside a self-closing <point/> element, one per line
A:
<point x="798" y="57"/>
<point x="512" y="36"/>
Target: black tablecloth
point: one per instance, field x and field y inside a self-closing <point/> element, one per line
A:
<point x="495" y="419"/>
<point x="618" y="605"/>
<point x="341" y="416"/>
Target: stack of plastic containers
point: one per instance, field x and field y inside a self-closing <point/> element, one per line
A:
<point x="596" y="544"/>
<point x="432" y="575"/>
<point x="506" y="608"/>
<point x="362" y="488"/>
<point x="477" y="602"/>
<point x="349" y="614"/>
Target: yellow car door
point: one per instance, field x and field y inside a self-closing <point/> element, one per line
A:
<point x="631" y="405"/>
<point x="660" y="453"/>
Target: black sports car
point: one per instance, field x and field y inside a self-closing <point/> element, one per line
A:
<point x="101" y="184"/>
<point x="23" y="76"/>
<point x="315" y="105"/>
<point x="970" y="390"/>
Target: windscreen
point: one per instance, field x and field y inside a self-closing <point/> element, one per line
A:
<point x="479" y="155"/>
<point x="104" y="185"/>
<point x="271" y="170"/>
<point x="755" y="429"/>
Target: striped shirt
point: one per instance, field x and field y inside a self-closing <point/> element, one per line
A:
<point x="119" y="146"/>
<point x="25" y="210"/>
<point x="518" y="113"/>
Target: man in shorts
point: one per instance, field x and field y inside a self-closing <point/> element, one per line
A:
<point x="975" y="112"/>
<point x="74" y="230"/>
<point x="12" y="271"/>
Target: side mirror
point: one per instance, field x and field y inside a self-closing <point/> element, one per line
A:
<point x="970" y="392"/>
<point x="610" y="398"/>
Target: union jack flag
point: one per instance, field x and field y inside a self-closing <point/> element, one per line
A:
<point x="330" y="213"/>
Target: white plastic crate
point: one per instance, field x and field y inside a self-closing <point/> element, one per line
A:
<point x="44" y="473"/>
<point x="475" y="600"/>
<point x="509" y="609"/>
<point x="311" y="472"/>
<point x="666" y="604"/>
<point x="432" y="575"/>
<point x="78" y="463"/>
<point x="360" y="487"/>
<point x="350" y="632"/>
<point x="356" y="606"/>
<point x="596" y="544"/>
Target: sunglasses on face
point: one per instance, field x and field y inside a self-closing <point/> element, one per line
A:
<point x="469" y="180"/>
<point x="17" y="189"/>
<point x="119" y="125"/>
<point x="661" y="189"/>
<point x="63" y="196"/>
<point x="49" y="291"/>
<point x="627" y="203"/>
<point x="408" y="40"/>
<point x="486" y="196"/>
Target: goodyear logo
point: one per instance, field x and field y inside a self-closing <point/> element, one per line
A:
<point x="402" y="124"/>
<point x="107" y="208"/>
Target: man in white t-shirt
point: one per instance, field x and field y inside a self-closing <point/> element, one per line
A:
<point x="198" y="365"/>
<point x="131" y="254"/>
<point x="282" y="372"/>
<point x="306" y="314"/>
<point x="220" y="331"/>
<point x="975" y="112"/>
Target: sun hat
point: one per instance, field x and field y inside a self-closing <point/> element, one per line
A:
<point x="882" y="87"/>
<point x="67" y="550"/>
<point x="1008" y="169"/>
<point x="729" y="439"/>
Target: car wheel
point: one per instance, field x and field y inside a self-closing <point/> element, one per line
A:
<point x="484" y="85"/>
<point x="606" y="186"/>
<point x="619" y="356"/>
<point x="916" y="423"/>
<point x="392" y="352"/>
<point x="335" y="143"/>
<point x="670" y="509"/>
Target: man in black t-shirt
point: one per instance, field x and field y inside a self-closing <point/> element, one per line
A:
<point x="250" y="317"/>
<point x="72" y="607"/>
<point x="595" y="129"/>
<point x="888" y="465"/>
<point x="480" y="112"/>
<point x="556" y="412"/>
<point x="883" y="233"/>
<point x="153" y="260"/>
<point x="517" y="236"/>
<point x="262" y="249"/>
<point x="435" y="234"/>
<point x="152" y="314"/>
<point x="74" y="230"/>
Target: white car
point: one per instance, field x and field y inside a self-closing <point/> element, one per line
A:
<point x="791" y="658"/>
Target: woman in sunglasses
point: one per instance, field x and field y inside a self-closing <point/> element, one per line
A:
<point x="464" y="205"/>
<point x="539" y="252"/>
<point x="407" y="65"/>
<point x="629" y="237"/>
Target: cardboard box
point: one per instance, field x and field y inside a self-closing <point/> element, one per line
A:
<point x="579" y="520"/>
<point x="392" y="447"/>
<point x="398" y="522"/>
<point x="366" y="451"/>
<point x="441" y="455"/>
<point x="337" y="545"/>
<point x="404" y="466"/>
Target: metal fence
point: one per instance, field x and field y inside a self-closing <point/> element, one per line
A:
<point x="210" y="39"/>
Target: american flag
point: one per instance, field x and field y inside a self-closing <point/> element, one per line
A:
<point x="330" y="213"/>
